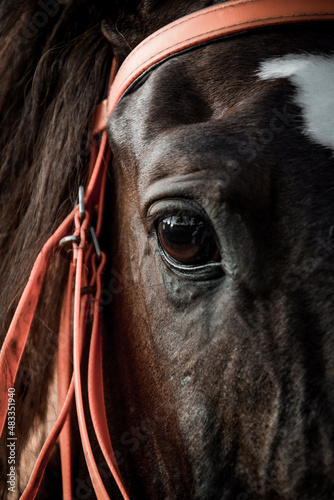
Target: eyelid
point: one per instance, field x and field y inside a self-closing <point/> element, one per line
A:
<point x="169" y="207"/>
<point x="154" y="219"/>
<point x="199" y="273"/>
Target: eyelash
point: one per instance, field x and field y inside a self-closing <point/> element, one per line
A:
<point x="153" y="220"/>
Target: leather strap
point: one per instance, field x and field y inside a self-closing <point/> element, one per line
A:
<point x="17" y="335"/>
<point x="96" y="396"/>
<point x="79" y="317"/>
<point x="63" y="381"/>
<point x="204" y="26"/>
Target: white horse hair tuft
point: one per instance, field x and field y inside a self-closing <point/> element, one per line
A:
<point x="313" y="77"/>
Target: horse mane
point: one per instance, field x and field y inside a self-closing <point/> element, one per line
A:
<point x="52" y="79"/>
<point x="54" y="66"/>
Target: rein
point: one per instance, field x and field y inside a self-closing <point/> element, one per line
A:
<point x="88" y="261"/>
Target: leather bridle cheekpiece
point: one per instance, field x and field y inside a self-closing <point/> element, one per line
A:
<point x="87" y="264"/>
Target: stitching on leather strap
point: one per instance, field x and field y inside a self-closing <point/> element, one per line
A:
<point x="292" y="18"/>
<point x="221" y="7"/>
<point x="181" y="21"/>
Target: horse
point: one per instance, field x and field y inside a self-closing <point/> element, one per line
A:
<point x="217" y="295"/>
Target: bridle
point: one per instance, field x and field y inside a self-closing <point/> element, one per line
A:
<point x="88" y="261"/>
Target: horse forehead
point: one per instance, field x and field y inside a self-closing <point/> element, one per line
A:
<point x="313" y="78"/>
<point x="178" y="92"/>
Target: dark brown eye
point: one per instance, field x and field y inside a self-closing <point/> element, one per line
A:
<point x="188" y="240"/>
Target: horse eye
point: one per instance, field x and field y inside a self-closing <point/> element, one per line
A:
<point x="188" y="240"/>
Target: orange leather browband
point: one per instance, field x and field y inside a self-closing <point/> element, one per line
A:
<point x="194" y="30"/>
<point x="204" y="26"/>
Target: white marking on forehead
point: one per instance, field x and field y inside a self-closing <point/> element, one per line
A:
<point x="313" y="76"/>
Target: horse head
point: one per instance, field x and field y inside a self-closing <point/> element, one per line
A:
<point x="216" y="305"/>
<point x="221" y="234"/>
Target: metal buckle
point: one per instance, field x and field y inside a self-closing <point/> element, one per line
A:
<point x="95" y="242"/>
<point x="66" y="243"/>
